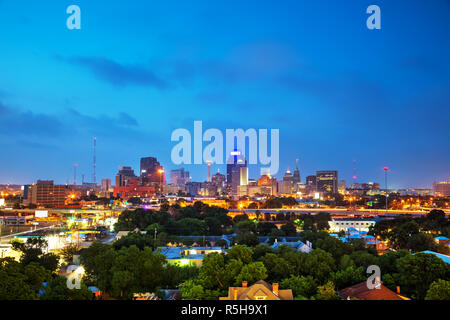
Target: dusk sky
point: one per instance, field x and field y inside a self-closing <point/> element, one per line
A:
<point x="137" y="70"/>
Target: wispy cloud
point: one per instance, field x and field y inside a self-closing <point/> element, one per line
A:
<point x="118" y="74"/>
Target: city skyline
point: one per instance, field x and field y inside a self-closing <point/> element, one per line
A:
<point x="335" y="90"/>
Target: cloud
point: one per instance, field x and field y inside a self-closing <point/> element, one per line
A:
<point x="16" y="122"/>
<point x="28" y="125"/>
<point x="118" y="74"/>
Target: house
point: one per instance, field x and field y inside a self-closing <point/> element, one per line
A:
<point x="442" y="240"/>
<point x="362" y="292"/>
<point x="343" y="224"/>
<point x="187" y="256"/>
<point x="260" y="290"/>
<point x="297" y="245"/>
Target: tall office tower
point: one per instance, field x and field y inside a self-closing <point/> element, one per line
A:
<point x="106" y="184"/>
<point x="342" y="186"/>
<point x="327" y="181"/>
<point x="243" y="176"/>
<point x="234" y="164"/>
<point x="124" y="175"/>
<point x="179" y="177"/>
<point x="288" y="176"/>
<point x="296" y="175"/>
<point x="311" y="183"/>
<point x="219" y="181"/>
<point x="151" y="171"/>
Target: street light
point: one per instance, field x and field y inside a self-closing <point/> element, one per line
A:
<point x="160" y="171"/>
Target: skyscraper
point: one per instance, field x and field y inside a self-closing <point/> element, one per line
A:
<point x="179" y="177"/>
<point x="235" y="162"/>
<point x="151" y="171"/>
<point x="296" y="175"/>
<point x="124" y="174"/>
<point x="327" y="181"/>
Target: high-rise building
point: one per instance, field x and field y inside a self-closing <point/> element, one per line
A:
<point x="151" y="171"/>
<point x="219" y="181"/>
<point x="327" y="181"/>
<point x="47" y="194"/>
<point x="441" y="189"/>
<point x="234" y="164"/>
<point x="311" y="183"/>
<point x="267" y="181"/>
<point x="288" y="176"/>
<point x="341" y="186"/>
<point x="179" y="177"/>
<point x="287" y="185"/>
<point x="296" y="175"/>
<point x="106" y="184"/>
<point x="124" y="175"/>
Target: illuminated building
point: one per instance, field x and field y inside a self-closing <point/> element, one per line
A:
<point x="47" y="194"/>
<point x="327" y="181"/>
<point x="235" y="162"/>
<point x="106" y="184"/>
<point x="296" y="176"/>
<point x="219" y="181"/>
<point x="151" y="171"/>
<point x="341" y="186"/>
<point x="285" y="187"/>
<point x="179" y="177"/>
<point x="311" y="184"/>
<point x="268" y="182"/>
<point x="441" y="189"/>
<point x="261" y="290"/>
<point x="133" y="189"/>
<point x="124" y="175"/>
<point x="343" y="224"/>
<point x="187" y="256"/>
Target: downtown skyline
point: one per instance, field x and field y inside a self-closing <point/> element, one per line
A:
<point x="337" y="91"/>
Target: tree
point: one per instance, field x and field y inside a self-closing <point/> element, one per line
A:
<point x="57" y="289"/>
<point x="33" y="251"/>
<point x="19" y="282"/>
<point x="241" y="253"/>
<point x="192" y="291"/>
<point x="439" y="290"/>
<point x="247" y="238"/>
<point x="251" y="273"/>
<point x="277" y="267"/>
<point x="421" y="242"/>
<point x="437" y="215"/>
<point x="348" y="277"/>
<point x="334" y="246"/>
<point x="68" y="252"/>
<point x="289" y="229"/>
<point x="417" y="272"/>
<point x="245" y="226"/>
<point x="327" y="292"/>
<point x="319" y="264"/>
<point x="301" y="286"/>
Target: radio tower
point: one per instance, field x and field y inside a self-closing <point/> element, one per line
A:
<point x="209" y="162"/>
<point x="95" y="161"/>
<point x="75" y="165"/>
<point x="354" y="171"/>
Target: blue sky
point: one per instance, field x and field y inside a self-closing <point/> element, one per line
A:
<point x="136" y="71"/>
